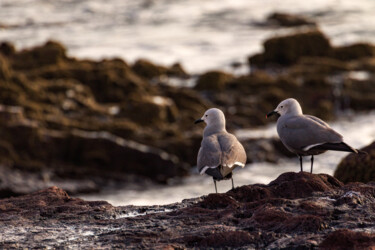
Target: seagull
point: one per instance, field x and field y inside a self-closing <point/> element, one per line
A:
<point x="305" y="134"/>
<point x="220" y="151"/>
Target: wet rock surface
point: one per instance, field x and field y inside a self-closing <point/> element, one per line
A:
<point x="297" y="210"/>
<point x="362" y="169"/>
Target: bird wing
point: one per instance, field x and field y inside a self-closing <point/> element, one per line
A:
<point x="318" y="120"/>
<point x="232" y="153"/>
<point x="305" y="132"/>
<point x="209" y="154"/>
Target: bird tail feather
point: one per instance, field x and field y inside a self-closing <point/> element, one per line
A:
<point x="342" y="146"/>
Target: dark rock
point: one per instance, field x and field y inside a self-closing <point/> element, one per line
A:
<point x="46" y="97"/>
<point x="258" y="150"/>
<point x="177" y="70"/>
<point x="290" y="49"/>
<point x="319" y="66"/>
<point x="348" y="239"/>
<point x="7" y="49"/>
<point x="213" y="201"/>
<point x="88" y="154"/>
<point x="287" y="50"/>
<point x="255" y="216"/>
<point x="265" y="149"/>
<point x="213" y="80"/>
<point x="148" y="69"/>
<point x="150" y="111"/>
<point x="110" y="81"/>
<point x="357" y="167"/>
<point x="51" y="203"/>
<point x="270" y="218"/>
<point x="15" y="182"/>
<point x="50" y="53"/>
<point x="227" y="239"/>
<point x="4" y="69"/>
<point x="354" y="51"/>
<point x="289" y="20"/>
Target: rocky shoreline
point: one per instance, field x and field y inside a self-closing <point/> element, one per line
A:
<point x="295" y="211"/>
<point x="89" y="122"/>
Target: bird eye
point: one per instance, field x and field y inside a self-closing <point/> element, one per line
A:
<point x="206" y="115"/>
<point x="281" y="106"/>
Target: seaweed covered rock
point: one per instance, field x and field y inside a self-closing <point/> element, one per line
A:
<point x="312" y="44"/>
<point x="286" y="50"/>
<point x="354" y="51"/>
<point x="109" y="80"/>
<point x="149" y="70"/>
<point x="213" y="80"/>
<point x="48" y="54"/>
<point x="357" y="168"/>
<point x="149" y="110"/>
<point x="57" y="103"/>
<point x="82" y="153"/>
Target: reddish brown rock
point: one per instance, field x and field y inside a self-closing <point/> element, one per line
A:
<point x="50" y="203"/>
<point x="348" y="239"/>
<point x="227" y="239"/>
<point x="253" y="216"/>
<point x="288" y="185"/>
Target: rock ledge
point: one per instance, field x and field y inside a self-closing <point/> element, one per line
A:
<point x="296" y="210"/>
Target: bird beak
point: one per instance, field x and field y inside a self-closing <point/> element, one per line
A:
<point x="272" y="113"/>
<point x="198" y="121"/>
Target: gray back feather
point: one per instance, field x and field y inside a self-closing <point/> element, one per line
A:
<point x="221" y="148"/>
<point x="297" y="132"/>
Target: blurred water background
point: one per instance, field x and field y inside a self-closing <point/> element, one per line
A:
<point x="201" y="35"/>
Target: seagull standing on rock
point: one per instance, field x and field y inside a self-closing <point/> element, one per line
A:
<point x="220" y="151"/>
<point x="305" y="134"/>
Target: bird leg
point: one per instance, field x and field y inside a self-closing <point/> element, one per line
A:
<point x="232" y="183"/>
<point x="312" y="162"/>
<point x="300" y="161"/>
<point x="215" y="185"/>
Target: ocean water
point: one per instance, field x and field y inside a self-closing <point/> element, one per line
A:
<point x="358" y="131"/>
<point x="201" y="35"/>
